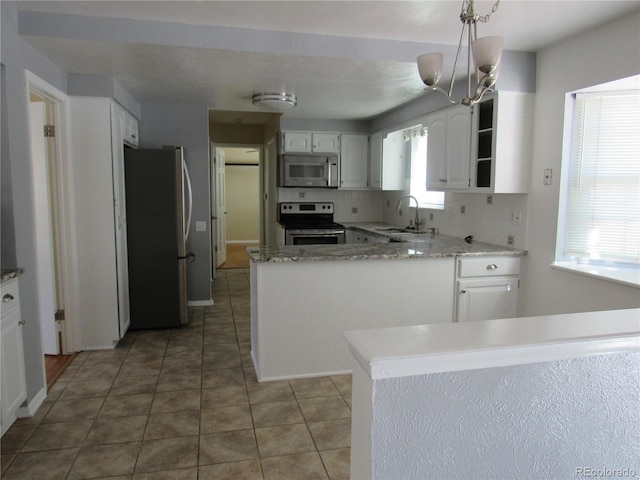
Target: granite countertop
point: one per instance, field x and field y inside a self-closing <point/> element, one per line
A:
<point x="10" y="273"/>
<point x="424" y="246"/>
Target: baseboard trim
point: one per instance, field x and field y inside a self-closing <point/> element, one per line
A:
<point x="32" y="406"/>
<point x="200" y="303"/>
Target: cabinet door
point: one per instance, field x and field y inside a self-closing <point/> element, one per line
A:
<point x="298" y="142"/>
<point x="354" y="161"/>
<point x="13" y="382"/>
<point x="375" y="161"/>
<point x="326" y="143"/>
<point x="436" y="151"/>
<point x="119" y="130"/>
<point x="458" y="147"/>
<point x="487" y="298"/>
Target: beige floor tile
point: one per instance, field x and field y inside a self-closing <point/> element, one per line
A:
<point x="185" y="380"/>
<point x="96" y="461"/>
<point x="276" y="413"/>
<point x="270" y="392"/>
<point x="100" y="357"/>
<point x="101" y="371"/>
<point x="134" y="385"/>
<point x="284" y="440"/>
<point x="167" y="454"/>
<point x="343" y="384"/>
<point x="15" y="438"/>
<point x="174" y="424"/>
<point x="244" y="470"/>
<point x="127" y="405"/>
<point x="225" y="419"/>
<point x="107" y="430"/>
<point x="331" y="434"/>
<point x="300" y="466"/>
<point x="337" y="463"/>
<point x="223" y="378"/>
<point x="180" y="474"/>
<point x="50" y="436"/>
<point x="76" y="409"/>
<point x="324" y="408"/>
<point x="86" y="389"/>
<point x="176" y="401"/>
<point x="5" y="462"/>
<point x="224" y="396"/>
<point x="49" y="465"/>
<point x="224" y="447"/>
<point x="314" y="387"/>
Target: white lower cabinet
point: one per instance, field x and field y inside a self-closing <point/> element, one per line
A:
<point x="487" y="288"/>
<point x="14" y="384"/>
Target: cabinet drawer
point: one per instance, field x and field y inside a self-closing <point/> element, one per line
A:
<point x="488" y="266"/>
<point x="10" y="300"/>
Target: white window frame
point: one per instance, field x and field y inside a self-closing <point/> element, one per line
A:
<point x="619" y="272"/>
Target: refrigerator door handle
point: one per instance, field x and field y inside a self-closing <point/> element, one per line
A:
<point x="190" y="198"/>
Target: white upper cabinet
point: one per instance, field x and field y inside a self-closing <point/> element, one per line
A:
<point x="354" y="160"/>
<point x="392" y="162"/>
<point x="310" y="142"/>
<point x="375" y="161"/>
<point x="502" y="143"/>
<point x="449" y="148"/>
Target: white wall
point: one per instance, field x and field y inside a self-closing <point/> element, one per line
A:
<point x="541" y="420"/>
<point x="601" y="55"/>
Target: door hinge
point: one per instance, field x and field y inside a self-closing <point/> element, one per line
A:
<point x="49" y="131"/>
<point x="59" y="315"/>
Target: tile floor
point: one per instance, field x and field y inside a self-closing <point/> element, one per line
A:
<point x="184" y="404"/>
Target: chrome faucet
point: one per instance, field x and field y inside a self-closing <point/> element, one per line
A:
<point x="417" y="221"/>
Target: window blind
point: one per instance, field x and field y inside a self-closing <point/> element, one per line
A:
<point x="603" y="221"/>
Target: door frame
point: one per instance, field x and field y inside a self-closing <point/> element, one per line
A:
<point x="261" y="164"/>
<point x="63" y="171"/>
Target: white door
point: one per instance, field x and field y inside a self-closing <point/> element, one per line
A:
<point x="220" y="209"/>
<point x="49" y="287"/>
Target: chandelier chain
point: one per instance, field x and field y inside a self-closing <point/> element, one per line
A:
<point x="468" y="11"/>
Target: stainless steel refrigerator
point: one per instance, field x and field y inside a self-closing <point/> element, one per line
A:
<point x="158" y="200"/>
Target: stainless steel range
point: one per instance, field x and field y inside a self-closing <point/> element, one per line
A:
<point x="310" y="224"/>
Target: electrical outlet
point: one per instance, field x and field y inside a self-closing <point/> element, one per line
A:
<point x="431" y="217"/>
<point x="547" y="176"/>
<point x="354" y="209"/>
<point x="489" y="199"/>
<point x="463" y="209"/>
<point x="510" y="240"/>
<point x="516" y="218"/>
<point x="388" y="203"/>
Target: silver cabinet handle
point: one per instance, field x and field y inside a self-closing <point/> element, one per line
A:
<point x="22" y="322"/>
<point x="463" y="291"/>
<point x="7" y="298"/>
<point x="492" y="266"/>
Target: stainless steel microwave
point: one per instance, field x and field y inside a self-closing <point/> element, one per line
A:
<point x="298" y="170"/>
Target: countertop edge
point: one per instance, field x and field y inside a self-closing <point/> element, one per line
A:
<point x="426" y="349"/>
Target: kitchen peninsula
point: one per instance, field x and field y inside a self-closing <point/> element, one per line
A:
<point x="304" y="297"/>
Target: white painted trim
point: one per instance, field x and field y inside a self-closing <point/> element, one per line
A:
<point x="200" y="303"/>
<point x="71" y="340"/>
<point x="624" y="276"/>
<point x="32" y="406"/>
<point x="257" y="242"/>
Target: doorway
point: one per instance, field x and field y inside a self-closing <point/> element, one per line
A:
<point x="235" y="187"/>
<point x="51" y="178"/>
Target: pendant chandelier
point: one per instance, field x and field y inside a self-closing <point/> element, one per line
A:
<point x="486" y="52"/>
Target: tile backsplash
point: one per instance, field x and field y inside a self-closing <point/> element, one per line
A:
<point x="349" y="205"/>
<point x="493" y="220"/>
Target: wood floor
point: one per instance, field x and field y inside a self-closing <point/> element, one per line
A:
<point x="55" y="366"/>
<point x="237" y="256"/>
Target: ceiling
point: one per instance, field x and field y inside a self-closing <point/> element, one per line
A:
<point x="343" y="59"/>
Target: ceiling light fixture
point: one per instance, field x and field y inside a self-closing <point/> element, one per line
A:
<point x="486" y="53"/>
<point x="275" y="101"/>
